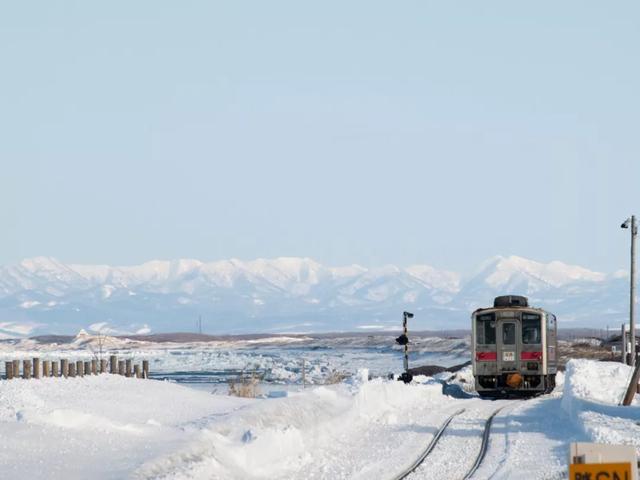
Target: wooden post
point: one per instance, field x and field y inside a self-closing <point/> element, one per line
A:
<point x="304" y="375"/>
<point x="72" y="369"/>
<point x="94" y="367"/>
<point x="121" y="367"/>
<point x="46" y="368"/>
<point x="79" y="368"/>
<point x="632" y="389"/>
<point x="8" y="368"/>
<point x="624" y="343"/>
<point x="103" y="365"/>
<point x="36" y="367"/>
<point x="145" y="369"/>
<point x="54" y="368"/>
<point x="87" y="368"/>
<point x="113" y="360"/>
<point x="128" y="367"/>
<point x="26" y="369"/>
<point x="136" y="371"/>
<point x="16" y="369"/>
<point x="64" y="367"/>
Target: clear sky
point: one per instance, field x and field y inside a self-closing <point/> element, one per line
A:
<point x="368" y="132"/>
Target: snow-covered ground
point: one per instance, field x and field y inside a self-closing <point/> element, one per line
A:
<point x="98" y="427"/>
<point x="114" y="427"/>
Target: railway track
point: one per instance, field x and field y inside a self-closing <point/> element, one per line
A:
<point x="430" y="447"/>
<point x="417" y="470"/>
<point x="485" y="443"/>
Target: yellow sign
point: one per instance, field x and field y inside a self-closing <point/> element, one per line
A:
<point x="600" y="471"/>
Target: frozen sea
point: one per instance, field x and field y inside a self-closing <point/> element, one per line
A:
<point x="282" y="363"/>
<point x="277" y="360"/>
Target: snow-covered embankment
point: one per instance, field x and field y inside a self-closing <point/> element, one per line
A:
<point x="591" y="397"/>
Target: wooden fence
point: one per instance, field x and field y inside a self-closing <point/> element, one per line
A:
<point x="35" y="368"/>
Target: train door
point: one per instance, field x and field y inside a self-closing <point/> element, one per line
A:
<point x="507" y="345"/>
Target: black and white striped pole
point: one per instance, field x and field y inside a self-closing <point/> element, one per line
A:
<point x="403" y="340"/>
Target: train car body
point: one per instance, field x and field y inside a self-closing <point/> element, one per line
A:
<point x="514" y="348"/>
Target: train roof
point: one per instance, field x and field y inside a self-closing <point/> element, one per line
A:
<point x="502" y="309"/>
<point x="510" y="302"/>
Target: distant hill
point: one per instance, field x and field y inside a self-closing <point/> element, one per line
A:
<point x="43" y="295"/>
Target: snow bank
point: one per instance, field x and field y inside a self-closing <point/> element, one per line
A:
<point x="603" y="382"/>
<point x="591" y="396"/>
<point x="97" y="427"/>
<point x="341" y="431"/>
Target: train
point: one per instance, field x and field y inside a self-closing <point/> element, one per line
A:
<point x="514" y="349"/>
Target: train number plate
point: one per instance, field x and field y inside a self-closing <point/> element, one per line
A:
<point x="508" y="356"/>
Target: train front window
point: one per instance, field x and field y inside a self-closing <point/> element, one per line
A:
<point x="531" y="331"/>
<point x="508" y="333"/>
<point x="486" y="329"/>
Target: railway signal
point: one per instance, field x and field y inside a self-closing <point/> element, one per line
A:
<point x="403" y="340"/>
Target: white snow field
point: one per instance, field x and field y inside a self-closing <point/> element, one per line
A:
<point x="110" y="427"/>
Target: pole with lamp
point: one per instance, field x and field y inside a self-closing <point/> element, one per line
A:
<point x="633" y="225"/>
<point x="635" y="378"/>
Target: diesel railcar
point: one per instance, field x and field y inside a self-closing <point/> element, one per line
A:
<point x="514" y="348"/>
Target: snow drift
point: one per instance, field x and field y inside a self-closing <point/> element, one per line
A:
<point x="591" y="397"/>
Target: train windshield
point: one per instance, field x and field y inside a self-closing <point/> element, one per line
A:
<point x="486" y="329"/>
<point x="508" y="333"/>
<point x="531" y="328"/>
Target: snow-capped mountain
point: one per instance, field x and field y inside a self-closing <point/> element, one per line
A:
<point x="293" y="294"/>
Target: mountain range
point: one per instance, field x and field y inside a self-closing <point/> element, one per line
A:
<point x="43" y="295"/>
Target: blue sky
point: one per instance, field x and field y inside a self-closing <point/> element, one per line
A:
<point x="367" y="132"/>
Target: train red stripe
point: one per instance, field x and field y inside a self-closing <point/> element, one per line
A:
<point x="531" y="356"/>
<point x="486" y="356"/>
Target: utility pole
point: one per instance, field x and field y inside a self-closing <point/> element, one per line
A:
<point x="631" y="222"/>
<point x="632" y="389"/>
<point x="632" y="290"/>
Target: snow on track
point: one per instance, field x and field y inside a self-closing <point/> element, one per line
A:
<point x="432" y="444"/>
<point x="456" y="452"/>
<point x="531" y="437"/>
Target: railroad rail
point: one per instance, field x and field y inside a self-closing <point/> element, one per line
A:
<point x="485" y="444"/>
<point x="429" y="448"/>
<point x="486" y="433"/>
